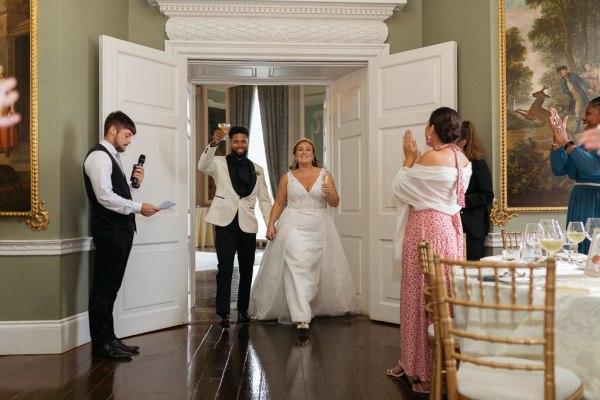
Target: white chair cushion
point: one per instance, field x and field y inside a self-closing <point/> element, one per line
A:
<point x="480" y="382"/>
<point x="431" y="331"/>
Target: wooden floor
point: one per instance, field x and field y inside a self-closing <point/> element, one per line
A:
<point x="345" y="358"/>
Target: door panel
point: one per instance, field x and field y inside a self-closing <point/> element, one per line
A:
<point x="349" y="137"/>
<point x="150" y="86"/>
<point x="404" y="89"/>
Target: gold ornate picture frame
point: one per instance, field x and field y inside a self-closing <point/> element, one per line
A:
<point x="19" y="144"/>
<point x="532" y="45"/>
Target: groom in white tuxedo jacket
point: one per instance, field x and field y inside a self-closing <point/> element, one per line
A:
<point x="240" y="183"/>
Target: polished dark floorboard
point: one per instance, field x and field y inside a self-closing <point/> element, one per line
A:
<point x="345" y="358"/>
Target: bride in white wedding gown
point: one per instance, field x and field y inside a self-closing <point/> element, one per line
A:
<point x="304" y="271"/>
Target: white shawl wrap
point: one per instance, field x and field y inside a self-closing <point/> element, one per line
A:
<point x="425" y="187"/>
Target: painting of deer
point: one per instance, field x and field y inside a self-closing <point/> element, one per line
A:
<point x="536" y="111"/>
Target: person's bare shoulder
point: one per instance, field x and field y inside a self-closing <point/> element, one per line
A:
<point x="435" y="159"/>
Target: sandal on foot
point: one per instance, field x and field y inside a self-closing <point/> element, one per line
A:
<point x="390" y="371"/>
<point x="421" y="387"/>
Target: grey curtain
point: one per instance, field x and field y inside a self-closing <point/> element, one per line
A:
<point x="274" y="113"/>
<point x="240" y="105"/>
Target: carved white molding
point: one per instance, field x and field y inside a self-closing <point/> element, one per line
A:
<point x="309" y="21"/>
<point x="44" y="247"/>
<point x="276" y="30"/>
<point x="275" y="51"/>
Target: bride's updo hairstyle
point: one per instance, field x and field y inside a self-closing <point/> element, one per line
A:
<point x="315" y="162"/>
<point x="446" y="123"/>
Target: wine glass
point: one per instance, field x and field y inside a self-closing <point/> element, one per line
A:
<point x="590" y="225"/>
<point x="551" y="237"/>
<point x="531" y="248"/>
<point x="575" y="234"/>
<point x="224" y="126"/>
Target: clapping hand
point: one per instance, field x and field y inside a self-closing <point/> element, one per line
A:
<point x="559" y="128"/>
<point x="591" y="139"/>
<point x="411" y="152"/>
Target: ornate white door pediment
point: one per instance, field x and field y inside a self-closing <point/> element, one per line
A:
<point x="278" y="29"/>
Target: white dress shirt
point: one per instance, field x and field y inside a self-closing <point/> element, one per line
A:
<point x="98" y="167"/>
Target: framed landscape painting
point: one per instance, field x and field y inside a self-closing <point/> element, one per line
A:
<point x="541" y="42"/>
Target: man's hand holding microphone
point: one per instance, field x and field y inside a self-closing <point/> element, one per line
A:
<point x="137" y="176"/>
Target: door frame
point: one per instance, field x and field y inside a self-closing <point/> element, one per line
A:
<point x="193" y="156"/>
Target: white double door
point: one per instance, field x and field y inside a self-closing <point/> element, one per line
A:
<point x="150" y="87"/>
<point x="370" y="110"/>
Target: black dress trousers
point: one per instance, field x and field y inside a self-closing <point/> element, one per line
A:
<point x="230" y="240"/>
<point x="112" y="252"/>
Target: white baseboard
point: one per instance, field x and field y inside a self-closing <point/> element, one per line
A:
<point x="44" y="337"/>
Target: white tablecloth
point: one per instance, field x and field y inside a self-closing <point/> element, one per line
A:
<point x="205" y="232"/>
<point x="577" y="326"/>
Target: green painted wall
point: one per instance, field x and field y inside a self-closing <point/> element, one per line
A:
<point x="405" y="31"/>
<point x="54" y="287"/>
<point x="146" y="25"/>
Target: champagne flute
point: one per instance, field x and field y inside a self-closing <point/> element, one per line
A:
<point x="325" y="179"/>
<point x="575" y="233"/>
<point x="552" y="238"/>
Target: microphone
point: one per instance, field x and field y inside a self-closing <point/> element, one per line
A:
<point x="134" y="181"/>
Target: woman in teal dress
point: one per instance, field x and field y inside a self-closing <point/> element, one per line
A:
<point x="580" y="165"/>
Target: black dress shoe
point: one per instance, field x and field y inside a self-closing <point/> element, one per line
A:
<point x="224" y="323"/>
<point x="122" y="346"/>
<point x="243" y="317"/>
<point x="110" y="351"/>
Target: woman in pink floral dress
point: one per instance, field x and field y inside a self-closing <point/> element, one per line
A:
<point x="431" y="192"/>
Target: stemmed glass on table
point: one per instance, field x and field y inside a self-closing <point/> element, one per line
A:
<point x="575" y="235"/>
<point x="551" y="236"/>
<point x="531" y="248"/>
<point x="590" y="225"/>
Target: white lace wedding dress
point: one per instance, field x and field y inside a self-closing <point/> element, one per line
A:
<point x="304" y="271"/>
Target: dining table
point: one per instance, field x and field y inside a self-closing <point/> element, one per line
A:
<point x="577" y="321"/>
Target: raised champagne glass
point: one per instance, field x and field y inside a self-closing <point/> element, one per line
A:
<point x="224" y="126"/>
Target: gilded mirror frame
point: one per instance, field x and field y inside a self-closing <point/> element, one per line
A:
<point x="29" y="208"/>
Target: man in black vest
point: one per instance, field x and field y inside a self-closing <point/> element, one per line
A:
<point x="113" y="225"/>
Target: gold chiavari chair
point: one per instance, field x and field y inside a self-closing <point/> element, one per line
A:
<point x="434" y="329"/>
<point x="511" y="240"/>
<point x="483" y="316"/>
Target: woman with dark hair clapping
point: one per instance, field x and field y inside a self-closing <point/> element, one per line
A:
<point x="430" y="193"/>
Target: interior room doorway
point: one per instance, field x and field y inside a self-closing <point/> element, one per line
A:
<point x="305" y="115"/>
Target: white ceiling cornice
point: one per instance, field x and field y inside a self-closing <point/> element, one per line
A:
<point x="278" y="21"/>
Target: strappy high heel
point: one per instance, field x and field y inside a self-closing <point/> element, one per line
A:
<point x="421" y="387"/>
<point x="390" y="371"/>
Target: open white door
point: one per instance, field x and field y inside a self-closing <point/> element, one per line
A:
<point x="404" y="89"/>
<point x="350" y="170"/>
<point x="150" y="86"/>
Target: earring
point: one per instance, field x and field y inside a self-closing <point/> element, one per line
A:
<point x="428" y="140"/>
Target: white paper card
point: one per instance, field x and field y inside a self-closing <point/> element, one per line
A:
<point x="166" y="204"/>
